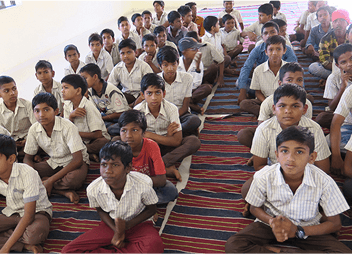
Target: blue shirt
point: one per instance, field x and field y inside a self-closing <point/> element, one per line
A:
<point x="258" y="56"/>
<point x="315" y="36"/>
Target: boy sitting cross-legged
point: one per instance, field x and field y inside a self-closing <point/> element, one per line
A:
<point x="125" y="201"/>
<point x="25" y="221"/>
<point x="146" y="154"/>
<point x="66" y="169"/>
<point x="163" y="124"/>
<point x="83" y="113"/>
<point x="286" y="198"/>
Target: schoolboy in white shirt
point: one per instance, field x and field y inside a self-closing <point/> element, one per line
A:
<point x="150" y="43"/>
<point x="228" y="5"/>
<point x="147" y="20"/>
<point x="160" y="18"/>
<point x="138" y="28"/>
<point x="126" y="33"/>
<point x="72" y="56"/>
<point x="110" y="45"/>
<point x="277" y="14"/>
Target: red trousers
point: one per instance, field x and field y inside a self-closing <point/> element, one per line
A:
<point x="142" y="238"/>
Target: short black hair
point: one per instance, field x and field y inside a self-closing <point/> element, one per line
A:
<point x="290" y="90"/>
<point x="70" y="47"/>
<point x="209" y="22"/>
<point x="161" y="3"/>
<point x="77" y="81"/>
<point x="7" y="146"/>
<point x="47" y="98"/>
<point x="275" y="39"/>
<point x="159" y="29"/>
<point x="341" y="49"/>
<point x="113" y="150"/>
<point x="184" y="9"/>
<point x="146" y="12"/>
<point x="95" y="37"/>
<point x="134" y="16"/>
<point x="191" y="4"/>
<point x="276" y="4"/>
<point x="299" y="134"/>
<point x="107" y="31"/>
<point x="192" y="34"/>
<point x="92" y="69"/>
<point x="43" y="64"/>
<point x="172" y="16"/>
<point x="149" y="37"/>
<point x="5" y="80"/>
<point x="127" y="43"/>
<point x="270" y="24"/>
<point x="152" y="79"/>
<point x="227" y="17"/>
<point x="326" y="8"/>
<point x="133" y="116"/>
<point x="266" y="9"/>
<point x="289" y="67"/>
<point x="120" y="19"/>
<point x="279" y="22"/>
<point x="168" y="54"/>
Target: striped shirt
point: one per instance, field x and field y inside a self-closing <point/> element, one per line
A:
<point x="210" y="54"/>
<point x="56" y="91"/>
<point x="344" y="108"/>
<point x="64" y="141"/>
<point x="154" y="60"/>
<point x="68" y="70"/>
<point x="24" y="186"/>
<point x="104" y="62"/>
<point x="130" y="81"/>
<point x="137" y="194"/>
<point x="91" y="122"/>
<point x="168" y="114"/>
<point x="270" y="190"/>
<point x="19" y="121"/>
<point x="264" y="140"/>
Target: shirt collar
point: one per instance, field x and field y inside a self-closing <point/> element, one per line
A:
<point x="128" y="186"/>
<point x="266" y="65"/>
<point x="161" y="111"/>
<point x="57" y="125"/>
<point x="105" y="84"/>
<point x="307" y="177"/>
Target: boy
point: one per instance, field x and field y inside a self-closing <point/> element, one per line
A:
<point x="282" y="30"/>
<point x="175" y="31"/>
<point x="83" y="113"/>
<point x="191" y="63"/>
<point x="160" y="18"/>
<point x="16" y="114"/>
<point x="149" y="43"/>
<point x="125" y="27"/>
<point x="277" y="14"/>
<point x="300" y="23"/>
<point x="25" y="221"/>
<point x="124" y="201"/>
<point x="161" y="37"/>
<point x="146" y="154"/>
<point x="110" y="46"/>
<point x="163" y="124"/>
<point x="66" y="169"/>
<point x="109" y="100"/>
<point x="258" y="56"/>
<point x="228" y="5"/>
<point x="286" y="198"/>
<point x="139" y="29"/>
<point x="178" y="87"/>
<point x="72" y="56"/>
<point x="266" y="76"/>
<point x="337" y="83"/>
<point x="312" y="19"/>
<point x="147" y="20"/>
<point x="196" y="19"/>
<point x="44" y="73"/>
<point x="129" y="72"/>
<point x="99" y="56"/>
<point x="186" y="14"/>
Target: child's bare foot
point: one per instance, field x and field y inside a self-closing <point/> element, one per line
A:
<point x="273" y="249"/>
<point x="155" y="217"/>
<point x="34" y="248"/>
<point x="202" y="111"/>
<point x="173" y="172"/>
<point x="70" y="194"/>
<point x="250" y="162"/>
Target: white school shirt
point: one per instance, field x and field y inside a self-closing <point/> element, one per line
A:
<point x="115" y="54"/>
<point x="344" y="108"/>
<point x="281" y="16"/>
<point x="130" y="81"/>
<point x="152" y="27"/>
<point x="145" y="31"/>
<point x="333" y="85"/>
<point x="303" y="17"/>
<point x="170" y="43"/>
<point x="111" y="100"/>
<point x="234" y="13"/>
<point x="154" y="60"/>
<point x="168" y="114"/>
<point x="192" y="27"/>
<point x="24" y="186"/>
<point x="64" y="141"/>
<point x="287" y="40"/>
<point x="56" y="91"/>
<point x="231" y="39"/>
<point x="264" y="140"/>
<point x="180" y="89"/>
<point x="137" y="193"/>
<point x="161" y="21"/>
<point x="270" y="190"/>
<point x="210" y="54"/>
<point x="266" y="109"/>
<point x="215" y="39"/>
<point x="255" y="28"/>
<point x="264" y="79"/>
<point x="68" y="69"/>
<point x="4" y="131"/>
<point x="312" y="21"/>
<point x="104" y="62"/>
<point x="197" y="77"/>
<point x="133" y="36"/>
<point x="91" y="122"/>
<point x="19" y="121"/>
